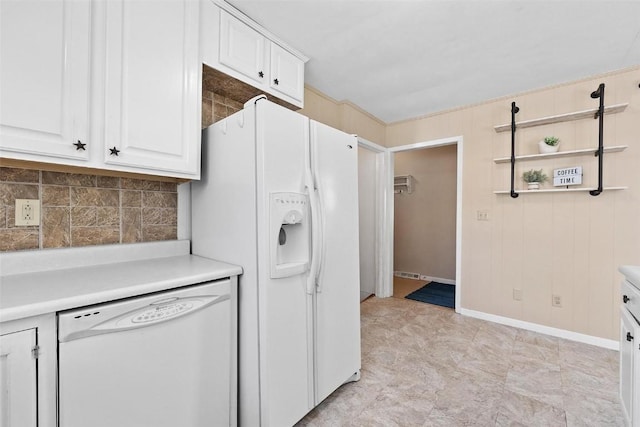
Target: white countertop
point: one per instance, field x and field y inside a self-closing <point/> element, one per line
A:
<point x="31" y="293"/>
<point x="632" y="273"/>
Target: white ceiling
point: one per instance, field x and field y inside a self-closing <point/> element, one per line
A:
<point x="404" y="59"/>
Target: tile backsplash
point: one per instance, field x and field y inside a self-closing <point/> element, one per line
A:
<point x="80" y="210"/>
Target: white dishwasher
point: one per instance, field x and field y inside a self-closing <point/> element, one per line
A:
<point x="163" y="359"/>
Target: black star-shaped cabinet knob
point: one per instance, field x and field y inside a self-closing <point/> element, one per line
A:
<point x="80" y="146"/>
<point x="114" y="151"/>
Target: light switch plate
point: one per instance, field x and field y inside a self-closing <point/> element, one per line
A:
<point x="27" y="212"/>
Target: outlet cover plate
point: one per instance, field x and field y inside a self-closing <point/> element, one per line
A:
<point x="27" y="212"/>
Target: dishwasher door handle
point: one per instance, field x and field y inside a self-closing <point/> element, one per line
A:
<point x="152" y="314"/>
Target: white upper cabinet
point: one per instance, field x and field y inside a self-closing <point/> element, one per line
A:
<point x="83" y="79"/>
<point x="240" y="48"/>
<point x="44" y="78"/>
<point x="287" y="73"/>
<point x="152" y="89"/>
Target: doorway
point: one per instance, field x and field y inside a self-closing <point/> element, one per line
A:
<point x="411" y="220"/>
<point x="375" y="272"/>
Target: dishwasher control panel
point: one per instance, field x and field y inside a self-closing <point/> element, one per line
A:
<point x="162" y="312"/>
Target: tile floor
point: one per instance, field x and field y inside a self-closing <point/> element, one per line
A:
<point x="424" y="365"/>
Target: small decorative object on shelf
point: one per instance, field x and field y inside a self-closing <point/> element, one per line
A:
<point x="534" y="178"/>
<point x="549" y="144"/>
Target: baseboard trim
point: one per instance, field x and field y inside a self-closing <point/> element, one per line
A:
<point x="418" y="276"/>
<point x="547" y="330"/>
<point x="439" y="279"/>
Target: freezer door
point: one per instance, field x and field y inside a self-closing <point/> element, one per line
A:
<point x="285" y="308"/>
<point x="337" y="304"/>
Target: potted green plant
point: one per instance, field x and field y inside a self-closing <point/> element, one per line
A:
<point x="534" y="178"/>
<point x="550" y="144"/>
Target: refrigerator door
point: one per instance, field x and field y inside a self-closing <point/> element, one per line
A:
<point x="337" y="303"/>
<point x="285" y="308"/>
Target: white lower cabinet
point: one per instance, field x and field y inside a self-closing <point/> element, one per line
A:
<point x="19" y="398"/>
<point x="106" y="84"/>
<point x="28" y="358"/>
<point x="628" y="344"/>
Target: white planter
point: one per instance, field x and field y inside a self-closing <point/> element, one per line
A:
<point x="533" y="186"/>
<point x="544" y="148"/>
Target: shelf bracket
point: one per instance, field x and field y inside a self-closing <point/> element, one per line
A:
<point x="514" y="110"/>
<point x="599" y="93"/>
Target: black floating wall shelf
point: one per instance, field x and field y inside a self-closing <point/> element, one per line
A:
<point x="514" y="110"/>
<point x="599" y="114"/>
<point x="599" y="93"/>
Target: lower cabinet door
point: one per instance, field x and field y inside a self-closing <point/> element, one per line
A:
<point x="628" y="342"/>
<point x="18" y="380"/>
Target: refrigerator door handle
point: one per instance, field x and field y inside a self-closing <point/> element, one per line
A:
<point x="315" y="240"/>
<point x="321" y="242"/>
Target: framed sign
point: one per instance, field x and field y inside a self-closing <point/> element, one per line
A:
<point x="567" y="176"/>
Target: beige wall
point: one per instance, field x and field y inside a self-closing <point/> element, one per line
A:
<point x="342" y="115"/>
<point x="567" y="244"/>
<point x="425" y="220"/>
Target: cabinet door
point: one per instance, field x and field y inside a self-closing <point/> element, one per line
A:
<point x="152" y="88"/>
<point x="287" y="73"/>
<point x="44" y="78"/>
<point x="628" y="342"/>
<point x="242" y="48"/>
<point x="18" y="382"/>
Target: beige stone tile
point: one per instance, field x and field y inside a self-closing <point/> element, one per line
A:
<point x="84" y="216"/>
<point x="3" y="217"/>
<point x="152" y="233"/>
<point x="523" y="352"/>
<point x="56" y="228"/>
<point x="108" y="216"/>
<point x="157" y="199"/>
<point x="108" y="182"/>
<point x="10" y="192"/>
<point x="19" y="175"/>
<point x="131" y="199"/>
<point x="131" y="225"/>
<point x="84" y="236"/>
<point x="55" y="195"/>
<point x="140" y="184"/>
<point x="592" y="410"/>
<point x="170" y="216"/>
<point x="537" y="380"/>
<point x="71" y="179"/>
<point x="152" y="216"/>
<point x="207" y="113"/>
<point x="18" y="239"/>
<point x="168" y="186"/>
<point x="516" y="409"/>
<point x="83" y="196"/>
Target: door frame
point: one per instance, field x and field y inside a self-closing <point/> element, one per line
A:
<point x="387" y="285"/>
<point x="383" y="268"/>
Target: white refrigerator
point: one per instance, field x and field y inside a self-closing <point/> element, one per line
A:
<point x="279" y="196"/>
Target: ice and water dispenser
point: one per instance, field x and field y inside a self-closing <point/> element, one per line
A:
<point x="289" y="234"/>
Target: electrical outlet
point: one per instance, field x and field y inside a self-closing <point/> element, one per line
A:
<point x="517" y="294"/>
<point x="556" y="301"/>
<point x="27" y="212"/>
<point x="482" y="215"/>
